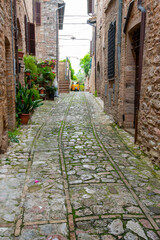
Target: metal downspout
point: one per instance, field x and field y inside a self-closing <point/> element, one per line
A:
<point x="142" y="37"/>
<point x="119" y="44"/>
<point x="95" y="58"/>
<point x="57" y="43"/>
<point x="12" y="31"/>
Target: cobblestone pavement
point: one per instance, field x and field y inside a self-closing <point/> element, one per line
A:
<point x="71" y="177"/>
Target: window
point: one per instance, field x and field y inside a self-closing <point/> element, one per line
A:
<point x="38" y="13"/>
<point x="111" y="50"/>
<point x="31" y="38"/>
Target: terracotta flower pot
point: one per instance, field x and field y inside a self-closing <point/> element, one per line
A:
<point x="20" y="55"/>
<point x="27" y="73"/>
<point x="29" y="81"/>
<point x="24" y="118"/>
<point x="41" y="91"/>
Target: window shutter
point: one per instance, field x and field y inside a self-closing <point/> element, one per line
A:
<point x="111" y="50"/>
<point x="31" y="38"/>
<point x="26" y="33"/>
<point x="38" y="13"/>
<point x="90" y="4"/>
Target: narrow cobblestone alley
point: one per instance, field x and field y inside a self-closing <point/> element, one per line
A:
<point x="71" y="177"/>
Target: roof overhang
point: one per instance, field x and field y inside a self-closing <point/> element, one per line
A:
<point x="61" y="14"/>
<point x="92" y="21"/>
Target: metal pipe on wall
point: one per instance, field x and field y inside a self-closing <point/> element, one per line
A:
<point x="142" y="37"/>
<point x="119" y="43"/>
<point x="57" y="43"/>
<point x="95" y="56"/>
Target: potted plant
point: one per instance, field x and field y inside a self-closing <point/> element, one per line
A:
<point x="24" y="103"/>
<point x="30" y="64"/>
<point x="51" y="91"/>
<point x="52" y="63"/>
<point x="41" y="90"/>
<point x="27" y="72"/>
<point x="20" y="53"/>
<point x="35" y="92"/>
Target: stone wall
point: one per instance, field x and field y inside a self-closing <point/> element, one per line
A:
<point x="22" y="10"/>
<point x="106" y="88"/>
<point x="148" y="117"/>
<point x="149" y="114"/>
<point x="46" y="32"/>
<point x="119" y="93"/>
<point x="7" y="89"/>
<point x="7" y="55"/>
<point x="92" y="77"/>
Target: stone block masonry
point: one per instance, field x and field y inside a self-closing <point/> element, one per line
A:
<point x="7" y="88"/>
<point x="120" y="93"/>
<point x="7" y="78"/>
<point x="46" y="31"/>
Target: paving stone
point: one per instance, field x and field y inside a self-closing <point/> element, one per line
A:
<point x="136" y="228"/>
<point x="108" y="237"/>
<point x="103" y="206"/>
<point x="152" y="235"/>
<point x="116" y="227"/>
<point x="130" y="236"/>
<point x="146" y="223"/>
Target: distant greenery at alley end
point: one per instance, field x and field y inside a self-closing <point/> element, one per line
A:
<point x="85" y="64"/>
<point x="73" y="76"/>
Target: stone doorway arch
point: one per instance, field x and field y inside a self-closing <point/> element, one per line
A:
<point x="131" y="78"/>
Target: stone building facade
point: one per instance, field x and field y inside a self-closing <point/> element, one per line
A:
<point x="46" y="42"/>
<point x="10" y="70"/>
<point x="129" y="84"/>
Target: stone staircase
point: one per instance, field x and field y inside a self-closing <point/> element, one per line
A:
<point x="64" y="86"/>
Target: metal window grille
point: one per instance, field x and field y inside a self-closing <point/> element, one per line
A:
<point x="111" y="50"/>
<point x="31" y="38"/>
<point x="38" y="13"/>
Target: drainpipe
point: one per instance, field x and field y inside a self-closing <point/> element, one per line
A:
<point x="119" y="42"/>
<point x="16" y="38"/>
<point x="12" y="31"/>
<point x="57" y="45"/>
<point x="95" y="55"/>
<point x="95" y="58"/>
<point x="119" y="35"/>
<point x="142" y="37"/>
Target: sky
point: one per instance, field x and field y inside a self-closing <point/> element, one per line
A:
<point x="75" y="12"/>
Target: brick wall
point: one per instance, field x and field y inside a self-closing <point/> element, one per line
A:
<point x="46" y="32"/>
<point x="7" y="78"/>
<point x="148" y="117"/>
<point x="149" y="114"/>
<point x="119" y="93"/>
<point x="7" y="94"/>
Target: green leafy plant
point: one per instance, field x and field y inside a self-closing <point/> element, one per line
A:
<point x="35" y="93"/>
<point x="51" y="89"/>
<point x="30" y="63"/>
<point x="81" y="87"/>
<point x="24" y="103"/>
<point x="95" y="94"/>
<point x="85" y="64"/>
<point x="27" y="70"/>
<point x="13" y="136"/>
